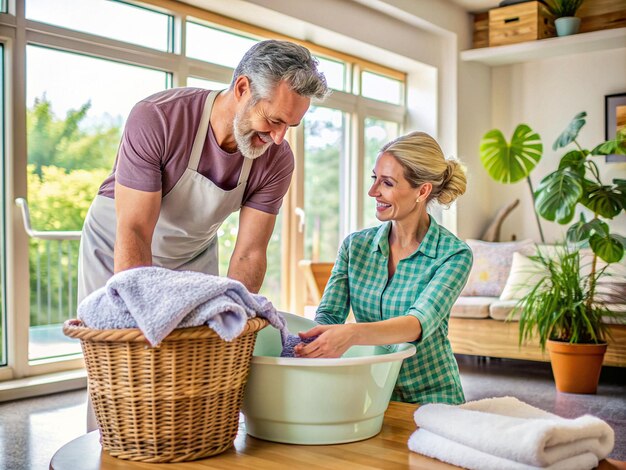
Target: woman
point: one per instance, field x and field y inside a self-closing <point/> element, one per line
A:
<point x="402" y="277"/>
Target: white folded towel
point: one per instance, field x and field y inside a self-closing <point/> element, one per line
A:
<point x="446" y="450"/>
<point x="158" y="300"/>
<point x="506" y="428"/>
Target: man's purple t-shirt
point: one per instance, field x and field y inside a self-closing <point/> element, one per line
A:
<point x="156" y="146"/>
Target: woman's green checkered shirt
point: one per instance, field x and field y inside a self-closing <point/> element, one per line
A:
<point x="425" y="285"/>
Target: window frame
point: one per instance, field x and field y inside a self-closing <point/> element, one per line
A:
<point x="3" y="218"/>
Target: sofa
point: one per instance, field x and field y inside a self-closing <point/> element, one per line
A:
<point x="480" y="323"/>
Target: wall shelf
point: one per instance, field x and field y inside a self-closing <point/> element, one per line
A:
<point x="546" y="48"/>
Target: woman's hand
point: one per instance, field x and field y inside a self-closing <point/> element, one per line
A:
<point x="332" y="341"/>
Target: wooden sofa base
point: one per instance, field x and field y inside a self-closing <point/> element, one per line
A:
<point x="495" y="338"/>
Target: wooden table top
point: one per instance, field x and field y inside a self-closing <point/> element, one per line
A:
<point x="387" y="450"/>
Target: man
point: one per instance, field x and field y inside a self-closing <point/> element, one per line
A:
<point x="188" y="158"/>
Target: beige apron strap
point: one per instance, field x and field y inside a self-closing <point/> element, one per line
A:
<point x="203" y="128"/>
<point x="245" y="171"/>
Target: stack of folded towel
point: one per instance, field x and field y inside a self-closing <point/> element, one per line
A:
<point x="158" y="300"/>
<point x="505" y="433"/>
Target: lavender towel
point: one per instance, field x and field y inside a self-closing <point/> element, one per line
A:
<point x="157" y="300"/>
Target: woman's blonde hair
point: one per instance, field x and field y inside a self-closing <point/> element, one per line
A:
<point x="423" y="162"/>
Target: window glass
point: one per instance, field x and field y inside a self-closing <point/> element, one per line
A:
<point x="227" y="236"/>
<point x="206" y="84"/>
<point x="76" y="108"/>
<point x="324" y="144"/>
<point x="216" y="46"/>
<point x="115" y="20"/>
<point x="381" y="88"/>
<point x="334" y="71"/>
<point x="377" y="134"/>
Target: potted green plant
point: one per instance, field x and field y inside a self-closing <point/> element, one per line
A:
<point x="510" y="162"/>
<point x="564" y="11"/>
<point x="563" y="309"/>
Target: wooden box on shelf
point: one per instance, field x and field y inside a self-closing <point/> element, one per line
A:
<point x="602" y="14"/>
<point x="518" y="23"/>
<point x="481" y="30"/>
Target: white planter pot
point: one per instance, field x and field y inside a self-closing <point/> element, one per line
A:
<point x="567" y="25"/>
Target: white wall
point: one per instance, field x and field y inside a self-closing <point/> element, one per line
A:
<point x="546" y="95"/>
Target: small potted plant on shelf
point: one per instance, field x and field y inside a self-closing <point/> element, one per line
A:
<point x="564" y="308"/>
<point x="564" y="11"/>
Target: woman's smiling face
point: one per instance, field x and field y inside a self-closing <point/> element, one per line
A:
<point x="395" y="197"/>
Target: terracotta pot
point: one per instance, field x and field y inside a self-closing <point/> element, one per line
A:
<point x="576" y="367"/>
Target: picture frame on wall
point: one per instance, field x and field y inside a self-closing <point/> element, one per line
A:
<point x="614" y="120"/>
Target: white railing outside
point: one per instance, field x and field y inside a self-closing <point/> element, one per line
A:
<point x="53" y="272"/>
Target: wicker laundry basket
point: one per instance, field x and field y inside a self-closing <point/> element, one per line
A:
<point x="172" y="403"/>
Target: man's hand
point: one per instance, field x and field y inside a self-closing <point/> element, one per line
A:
<point x="137" y="213"/>
<point x="249" y="260"/>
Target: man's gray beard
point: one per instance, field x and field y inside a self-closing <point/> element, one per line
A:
<point x="243" y="138"/>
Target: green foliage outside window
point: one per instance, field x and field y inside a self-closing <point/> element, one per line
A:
<point x="324" y="144"/>
<point x="322" y="203"/>
<point x="67" y="163"/>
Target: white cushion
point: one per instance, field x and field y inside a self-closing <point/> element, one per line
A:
<point x="620" y="314"/>
<point x="611" y="287"/>
<point x="525" y="274"/>
<point x="472" y="307"/>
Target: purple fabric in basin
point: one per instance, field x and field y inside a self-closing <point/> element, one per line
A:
<point x="291" y="342"/>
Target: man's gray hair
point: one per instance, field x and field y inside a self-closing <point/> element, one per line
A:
<point x="269" y="62"/>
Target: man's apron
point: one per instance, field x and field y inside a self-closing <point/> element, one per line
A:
<point x="185" y="234"/>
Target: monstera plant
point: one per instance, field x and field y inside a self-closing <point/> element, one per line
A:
<point x="510" y="162"/>
<point x="563" y="308"/>
<point x="577" y="182"/>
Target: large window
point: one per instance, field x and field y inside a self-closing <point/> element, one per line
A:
<point x="76" y="107"/>
<point x="86" y="64"/>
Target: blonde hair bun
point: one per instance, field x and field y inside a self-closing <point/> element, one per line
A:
<point x="423" y="161"/>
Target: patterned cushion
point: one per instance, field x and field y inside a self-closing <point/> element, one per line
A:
<point x="492" y="263"/>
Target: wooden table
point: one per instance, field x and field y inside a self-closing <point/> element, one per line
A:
<point x="387" y="450"/>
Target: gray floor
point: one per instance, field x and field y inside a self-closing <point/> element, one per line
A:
<point x="31" y="430"/>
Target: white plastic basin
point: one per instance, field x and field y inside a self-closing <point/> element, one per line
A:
<point x="319" y="401"/>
